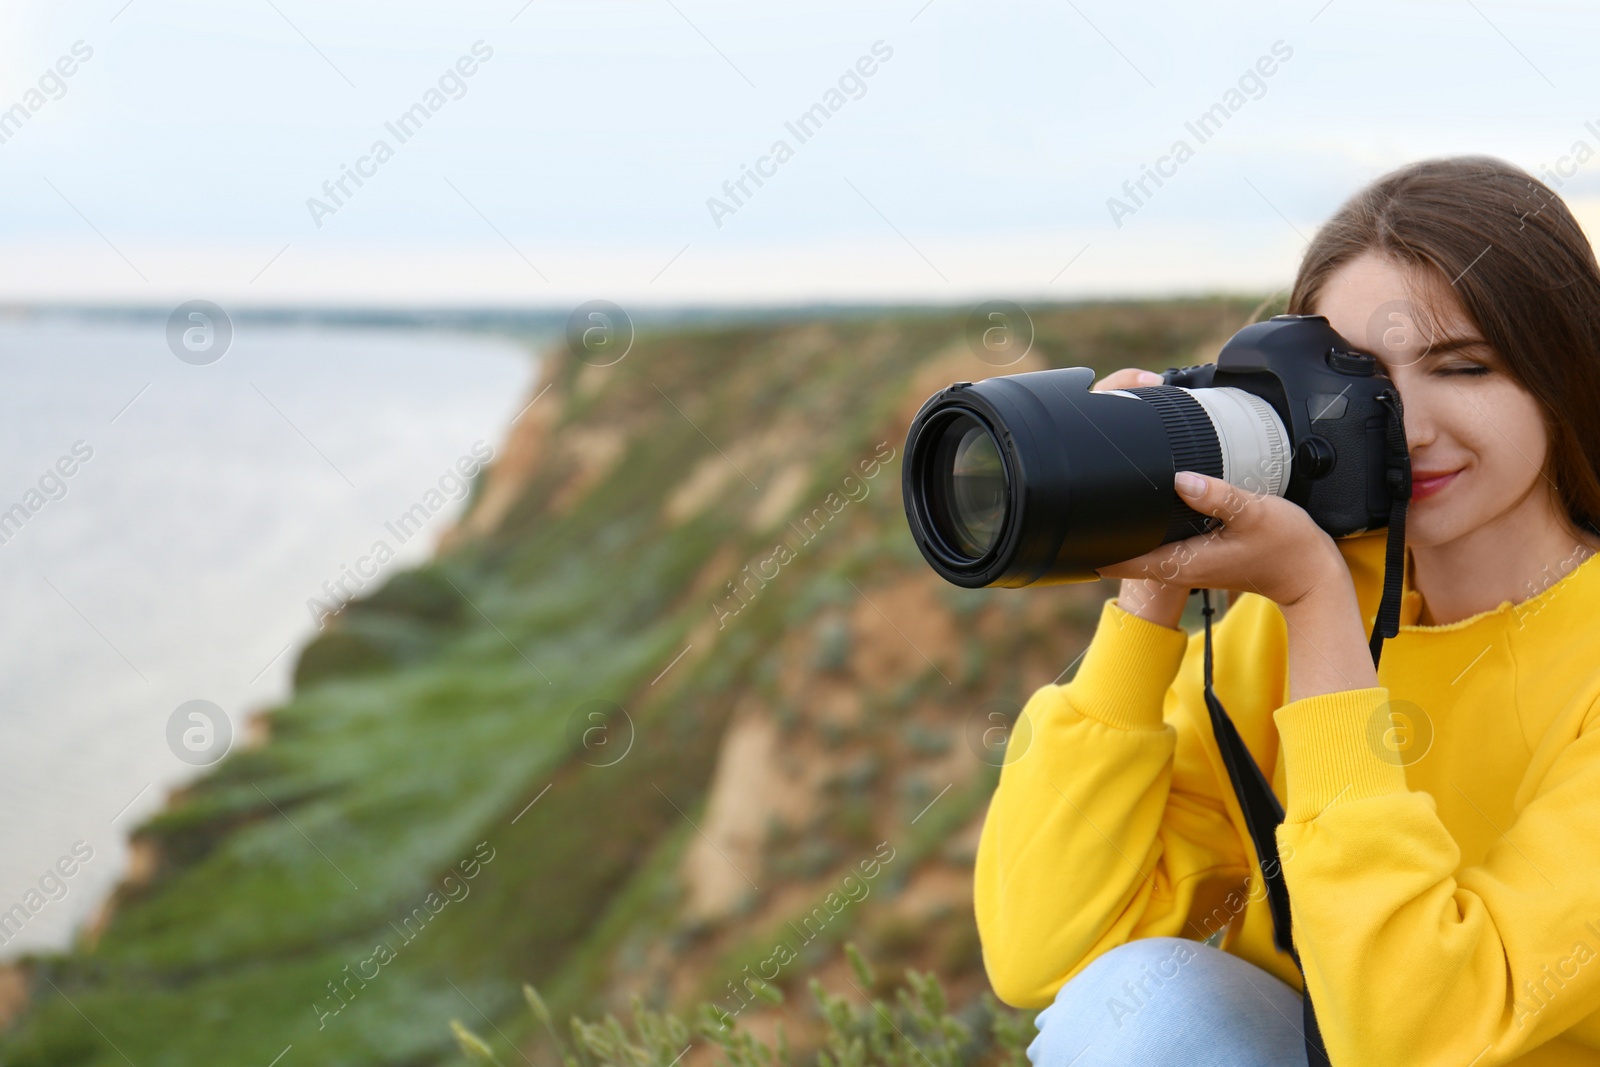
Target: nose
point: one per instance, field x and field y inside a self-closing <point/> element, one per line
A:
<point x="1419" y="423"/>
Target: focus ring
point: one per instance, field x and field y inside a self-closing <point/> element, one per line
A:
<point x="1195" y="447"/>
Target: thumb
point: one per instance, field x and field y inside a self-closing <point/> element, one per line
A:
<point x="1208" y="495"/>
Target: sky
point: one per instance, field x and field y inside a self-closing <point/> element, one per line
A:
<point x="957" y="151"/>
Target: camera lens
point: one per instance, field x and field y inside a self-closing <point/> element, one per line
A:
<point x="970" y="491"/>
<point x="1034" y="478"/>
<point x="1037" y="478"/>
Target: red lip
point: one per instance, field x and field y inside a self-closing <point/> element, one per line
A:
<point x="1427" y="483"/>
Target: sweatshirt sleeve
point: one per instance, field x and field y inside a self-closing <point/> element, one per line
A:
<point x="1410" y="957"/>
<point x="1107" y="824"/>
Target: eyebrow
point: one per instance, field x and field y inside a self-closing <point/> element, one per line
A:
<point x="1452" y="344"/>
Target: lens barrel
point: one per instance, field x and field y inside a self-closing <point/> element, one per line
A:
<point x="1034" y="479"/>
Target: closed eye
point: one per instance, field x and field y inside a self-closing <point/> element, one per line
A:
<point x="1475" y="369"/>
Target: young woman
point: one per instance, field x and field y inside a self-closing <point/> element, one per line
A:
<point x="1441" y="839"/>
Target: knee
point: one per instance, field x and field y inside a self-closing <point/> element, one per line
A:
<point x="1168" y="1000"/>
<point x="1132" y="975"/>
<point x="1154" y="976"/>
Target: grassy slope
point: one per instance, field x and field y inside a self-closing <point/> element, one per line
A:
<point x="431" y="715"/>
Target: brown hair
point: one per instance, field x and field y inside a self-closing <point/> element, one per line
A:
<point x="1508" y="249"/>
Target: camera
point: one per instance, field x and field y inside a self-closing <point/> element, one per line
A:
<point x="1033" y="478"/>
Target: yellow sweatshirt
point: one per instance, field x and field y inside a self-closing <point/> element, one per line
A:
<point x="1441" y="841"/>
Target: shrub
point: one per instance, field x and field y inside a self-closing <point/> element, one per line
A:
<point x="832" y="651"/>
<point x="918" y="1031"/>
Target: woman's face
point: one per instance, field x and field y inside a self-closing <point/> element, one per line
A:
<point x="1463" y="412"/>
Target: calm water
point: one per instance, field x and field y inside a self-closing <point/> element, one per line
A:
<point x="204" y="506"/>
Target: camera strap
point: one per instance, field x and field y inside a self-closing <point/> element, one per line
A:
<point x="1262" y="812"/>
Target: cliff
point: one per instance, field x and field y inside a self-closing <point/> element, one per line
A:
<point x="678" y="701"/>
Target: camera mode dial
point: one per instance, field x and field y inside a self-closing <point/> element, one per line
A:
<point x="1358" y="363"/>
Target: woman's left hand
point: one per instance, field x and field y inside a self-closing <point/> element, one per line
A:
<point x="1266" y="545"/>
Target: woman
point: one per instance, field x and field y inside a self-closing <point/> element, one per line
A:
<point x="1441" y="838"/>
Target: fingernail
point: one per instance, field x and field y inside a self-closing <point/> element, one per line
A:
<point x="1149" y="378"/>
<point x="1190" y="484"/>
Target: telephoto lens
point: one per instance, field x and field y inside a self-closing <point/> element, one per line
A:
<point x="1034" y="479"/>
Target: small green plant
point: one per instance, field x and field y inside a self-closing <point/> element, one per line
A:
<point x="918" y="1030"/>
<point x="832" y="651"/>
<point x="925" y="741"/>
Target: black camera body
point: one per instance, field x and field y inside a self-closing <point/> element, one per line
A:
<point x="1036" y="479"/>
<point x="1340" y="473"/>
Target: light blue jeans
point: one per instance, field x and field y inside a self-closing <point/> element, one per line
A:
<point x="1168" y="1001"/>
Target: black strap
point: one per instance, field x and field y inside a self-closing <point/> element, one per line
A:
<point x="1262" y="812"/>
<point x="1398" y="483"/>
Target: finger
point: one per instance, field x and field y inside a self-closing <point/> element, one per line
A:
<point x="1136" y="569"/>
<point x="1165" y="562"/>
<point x="1126" y="378"/>
<point x="1160" y="565"/>
<point x="1213" y="496"/>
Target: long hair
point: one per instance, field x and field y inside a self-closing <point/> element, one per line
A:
<point x="1509" y="250"/>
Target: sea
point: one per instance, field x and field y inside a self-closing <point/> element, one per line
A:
<point x="176" y="498"/>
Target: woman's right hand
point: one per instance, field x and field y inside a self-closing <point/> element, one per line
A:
<point x="1149" y="598"/>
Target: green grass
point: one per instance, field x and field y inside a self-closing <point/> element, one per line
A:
<point x="915" y="1029"/>
<point x="431" y="714"/>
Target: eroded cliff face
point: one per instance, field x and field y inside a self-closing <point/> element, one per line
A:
<point x="706" y="540"/>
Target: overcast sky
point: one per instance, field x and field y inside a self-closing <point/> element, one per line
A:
<point x="579" y="157"/>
